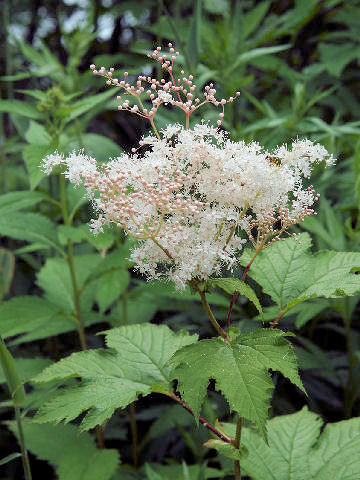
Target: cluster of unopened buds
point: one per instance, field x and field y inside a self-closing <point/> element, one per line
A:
<point x="193" y="197"/>
<point x="180" y="92"/>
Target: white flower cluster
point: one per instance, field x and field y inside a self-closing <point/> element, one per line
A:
<point x="193" y="197"/>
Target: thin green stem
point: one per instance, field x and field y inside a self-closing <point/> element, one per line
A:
<point x="237" y="446"/>
<point x="70" y="261"/>
<point x="154" y="127"/>
<point x="165" y="250"/>
<point x="24" y="454"/>
<point x="134" y="433"/>
<point x="211" y="316"/>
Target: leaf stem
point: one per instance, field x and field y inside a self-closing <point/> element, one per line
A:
<point x="202" y="420"/>
<point x="237" y="446"/>
<point x="277" y="319"/>
<point x="236" y="293"/>
<point x="211" y="316"/>
<point x="24" y="454"/>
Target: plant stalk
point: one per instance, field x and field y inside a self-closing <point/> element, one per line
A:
<point x="237" y="446"/>
<point x="70" y="260"/>
<point x="211" y="316"/>
<point x="24" y="454"/>
<point x="79" y="320"/>
<point x="134" y="433"/>
<point x="236" y="293"/>
<point x="202" y="420"/>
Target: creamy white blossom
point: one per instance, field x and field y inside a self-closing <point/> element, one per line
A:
<point x="193" y="197"/>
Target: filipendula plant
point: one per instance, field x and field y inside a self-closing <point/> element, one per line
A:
<point x="192" y="199"/>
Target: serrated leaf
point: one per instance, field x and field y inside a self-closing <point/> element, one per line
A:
<point x="290" y="274"/>
<point x="24" y="314"/>
<point x="13" y="201"/>
<point x="33" y="155"/>
<point x="231" y="285"/>
<point x="74" y="454"/>
<point x="110" y="286"/>
<point x="114" y="378"/>
<point x="31" y="227"/>
<point x="295" y="451"/>
<point x="336" y="455"/>
<point x="240" y="370"/>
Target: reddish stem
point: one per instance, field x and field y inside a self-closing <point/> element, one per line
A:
<point x="277" y="319"/>
<point x="202" y="420"/>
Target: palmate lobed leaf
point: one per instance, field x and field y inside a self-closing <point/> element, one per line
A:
<point x="296" y="452"/>
<point x="113" y="378"/>
<point x="240" y="370"/>
<point x="290" y="274"/>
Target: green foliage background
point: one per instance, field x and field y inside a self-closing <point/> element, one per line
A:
<point x="296" y="64"/>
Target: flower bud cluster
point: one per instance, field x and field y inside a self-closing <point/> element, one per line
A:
<point x="193" y="197"/>
<point x="179" y="92"/>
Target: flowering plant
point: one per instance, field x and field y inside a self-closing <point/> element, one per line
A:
<point x="193" y="199"/>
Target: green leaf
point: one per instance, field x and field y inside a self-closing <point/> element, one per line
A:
<point x="97" y="146"/>
<point x="240" y="370"/>
<point x="255" y="53"/>
<point x="8" y="365"/>
<point x="7" y="268"/>
<point x="24" y="314"/>
<point x="88" y="103"/>
<point x="110" y="286"/>
<point x="193" y="43"/>
<point x="33" y="155"/>
<point x="22" y="108"/>
<point x="113" y="378"/>
<point x="231" y="285"/>
<point x="9" y="458"/>
<point x="13" y="201"/>
<point x="227" y="450"/>
<point x="36" y="134"/>
<point x="55" y="279"/>
<point x="335" y="57"/>
<point x="295" y="451"/>
<point x="31" y="227"/>
<point x="74" y="454"/>
<point x="336" y="454"/>
<point x="290" y="274"/>
<point x="254" y="17"/>
<point x="28" y="367"/>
